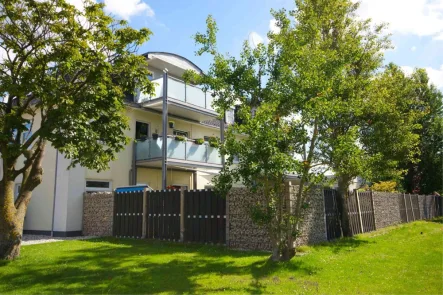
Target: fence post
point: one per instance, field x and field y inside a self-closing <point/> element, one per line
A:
<point x="145" y="212"/>
<point x="182" y="214"/>
<point x="412" y="208"/>
<point x="373" y="209"/>
<point x="406" y="208"/>
<point x="227" y="219"/>
<point x="418" y="204"/>
<point x="441" y="205"/>
<point x="324" y="213"/>
<point x="359" y="210"/>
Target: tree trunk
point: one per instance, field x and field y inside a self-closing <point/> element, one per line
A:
<point x="343" y="194"/>
<point x="12" y="214"/>
<point x="288" y="251"/>
<point x="275" y="248"/>
<point x="10" y="238"/>
<point x="11" y="225"/>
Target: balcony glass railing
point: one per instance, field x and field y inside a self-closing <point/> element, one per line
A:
<point x="180" y="150"/>
<point x="179" y="90"/>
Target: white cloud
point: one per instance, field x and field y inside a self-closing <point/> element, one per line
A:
<point x="435" y="75"/>
<point x="77" y="3"/>
<point x="413" y="48"/>
<point x="255" y="39"/>
<point x="127" y="8"/>
<point x="273" y="26"/>
<point x="416" y="17"/>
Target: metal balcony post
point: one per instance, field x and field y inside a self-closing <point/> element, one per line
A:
<point x="206" y="152"/>
<point x="222" y="137"/>
<point x="165" y="127"/>
<point x="134" y="164"/>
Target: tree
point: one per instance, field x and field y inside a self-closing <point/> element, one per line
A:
<point x="393" y="112"/>
<point x="333" y="58"/>
<point x="266" y="154"/>
<point x="300" y="98"/>
<point x="426" y="175"/>
<point x="64" y="71"/>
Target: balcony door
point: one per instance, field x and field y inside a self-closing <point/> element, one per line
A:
<point x="141" y="130"/>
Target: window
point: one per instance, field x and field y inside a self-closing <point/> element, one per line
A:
<point x="26" y="134"/>
<point x="141" y="130"/>
<point x="181" y="133"/>
<point x="17" y="188"/>
<point x="98" y="186"/>
<point x="230" y="116"/>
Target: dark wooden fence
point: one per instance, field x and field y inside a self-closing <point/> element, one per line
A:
<point x="403" y="209"/>
<point x="367" y="211"/>
<point x="128" y="215"/>
<point x="354" y="215"/>
<point x="333" y="229"/>
<point x="361" y="211"/>
<point x="163" y="220"/>
<point x="432" y="207"/>
<point x="205" y="217"/>
<point x="190" y="216"/>
<point x="415" y="207"/>
<point x="408" y="205"/>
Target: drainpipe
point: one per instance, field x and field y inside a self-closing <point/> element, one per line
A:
<point x="55" y="192"/>
<point x="165" y="127"/>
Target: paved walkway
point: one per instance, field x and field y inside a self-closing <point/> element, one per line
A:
<point x="37" y="239"/>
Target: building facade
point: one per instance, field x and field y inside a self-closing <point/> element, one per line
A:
<point x="165" y="151"/>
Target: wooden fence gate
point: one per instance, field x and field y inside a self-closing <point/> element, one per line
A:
<point x="128" y="214"/>
<point x="366" y="210"/>
<point x="191" y="216"/>
<point x="354" y="215"/>
<point x="205" y="217"/>
<point x="163" y="215"/>
<point x="333" y="229"/>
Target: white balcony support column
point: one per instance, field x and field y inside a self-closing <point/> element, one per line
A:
<point x="222" y="138"/>
<point x="165" y="128"/>
<point x="133" y="180"/>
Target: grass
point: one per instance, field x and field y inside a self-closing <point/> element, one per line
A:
<point x="406" y="259"/>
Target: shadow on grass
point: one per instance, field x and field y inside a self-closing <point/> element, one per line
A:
<point x="343" y="244"/>
<point x="140" y="266"/>
<point x="438" y="219"/>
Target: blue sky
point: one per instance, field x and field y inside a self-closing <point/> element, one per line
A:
<point x="416" y="26"/>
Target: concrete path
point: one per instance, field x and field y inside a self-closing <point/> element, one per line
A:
<point x="37" y="239"/>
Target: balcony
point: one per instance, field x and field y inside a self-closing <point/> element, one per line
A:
<point x="183" y="100"/>
<point x="185" y="153"/>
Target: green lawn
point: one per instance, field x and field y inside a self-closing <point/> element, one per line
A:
<point x="401" y="260"/>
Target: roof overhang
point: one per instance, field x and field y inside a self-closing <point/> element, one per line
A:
<point x="176" y="64"/>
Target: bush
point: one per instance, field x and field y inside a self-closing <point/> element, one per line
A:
<point x="180" y="138"/>
<point x="213" y="142"/>
<point x="199" y="141"/>
<point x="385" y="186"/>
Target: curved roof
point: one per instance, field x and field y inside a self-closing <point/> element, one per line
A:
<point x="173" y="59"/>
